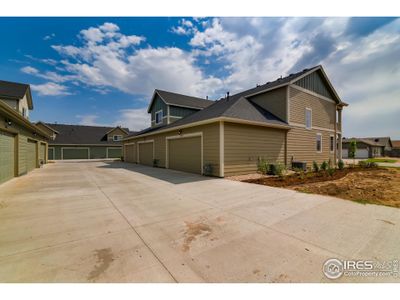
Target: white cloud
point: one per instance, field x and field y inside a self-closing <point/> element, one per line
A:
<point x="134" y="119"/>
<point x="49" y="37"/>
<point x="89" y="120"/>
<point x="50" y="89"/>
<point x="29" y="70"/>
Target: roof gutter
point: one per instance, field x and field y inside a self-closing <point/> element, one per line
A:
<point x="213" y="120"/>
<point x="10" y="112"/>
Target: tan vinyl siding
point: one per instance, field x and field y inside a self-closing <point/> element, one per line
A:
<point x="302" y="146"/>
<point x="323" y="111"/>
<point x="245" y="144"/>
<point x="273" y="101"/>
<point x="116" y="131"/>
<point x="210" y="144"/>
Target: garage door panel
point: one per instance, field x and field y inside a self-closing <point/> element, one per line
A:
<point x="7" y="156"/>
<point x="31" y="155"/>
<point x="114" y="153"/>
<point x="146" y="153"/>
<point x="51" y="154"/>
<point x="184" y="154"/>
<point x="362" y="153"/>
<point x="130" y="153"/>
<point x="75" y="153"/>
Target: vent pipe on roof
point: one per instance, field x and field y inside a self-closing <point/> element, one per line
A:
<point x="227" y="95"/>
<point x="207" y="97"/>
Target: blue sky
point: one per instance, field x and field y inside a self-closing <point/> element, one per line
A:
<point x="103" y="70"/>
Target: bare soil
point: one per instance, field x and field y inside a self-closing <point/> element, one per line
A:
<point x="367" y="186"/>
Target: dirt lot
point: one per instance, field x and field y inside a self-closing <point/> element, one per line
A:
<point x="374" y="186"/>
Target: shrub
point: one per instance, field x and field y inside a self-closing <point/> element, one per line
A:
<point x="156" y="162"/>
<point x="341" y="165"/>
<point x="372" y="165"/>
<point x="208" y="169"/>
<point x="315" y="166"/>
<point x="363" y="164"/>
<point x="276" y="169"/>
<point x="324" y="166"/>
<point x="263" y="166"/>
<point x="331" y="171"/>
<point x="329" y="163"/>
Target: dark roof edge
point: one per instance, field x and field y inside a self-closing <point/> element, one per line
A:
<point x="47" y="126"/>
<point x="212" y="120"/>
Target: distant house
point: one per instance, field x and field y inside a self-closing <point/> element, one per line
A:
<point x="83" y="142"/>
<point x="297" y="118"/>
<point x="23" y="146"/>
<point x="368" y="147"/>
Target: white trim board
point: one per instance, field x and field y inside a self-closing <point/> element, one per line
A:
<point x="221" y="149"/>
<point x="62" y="151"/>
<point x="183" y="136"/>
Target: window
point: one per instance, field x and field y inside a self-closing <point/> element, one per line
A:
<point x="117" y="138"/>
<point x="319" y="142"/>
<point x="332" y="143"/>
<point x="24" y="111"/>
<point x="308" y="118"/>
<point x="159" y="116"/>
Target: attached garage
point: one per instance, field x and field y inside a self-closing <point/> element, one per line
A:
<point x="51" y="153"/>
<point x="146" y="153"/>
<point x="75" y="153"/>
<point x="130" y="153"/>
<point x="185" y="154"/>
<point x="114" y="152"/>
<point x="31" y="155"/>
<point x="42" y="153"/>
<point x="360" y="153"/>
<point x="7" y="156"/>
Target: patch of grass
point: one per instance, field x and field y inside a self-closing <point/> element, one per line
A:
<point x="361" y="201"/>
<point x="381" y="160"/>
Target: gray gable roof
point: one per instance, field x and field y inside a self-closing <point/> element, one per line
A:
<point x="181" y="100"/>
<point x="236" y="106"/>
<point x="15" y="90"/>
<point x="81" y="135"/>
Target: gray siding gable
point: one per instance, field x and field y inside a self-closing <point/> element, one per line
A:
<point x="176" y="111"/>
<point x="158" y="105"/>
<point x="315" y="83"/>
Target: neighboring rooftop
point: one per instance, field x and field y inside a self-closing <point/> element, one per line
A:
<point x="81" y="134"/>
<point x="396" y="144"/>
<point x="15" y="90"/>
<point x="372" y="141"/>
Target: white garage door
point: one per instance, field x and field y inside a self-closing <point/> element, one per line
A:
<point x="362" y="153"/>
<point x="345" y="153"/>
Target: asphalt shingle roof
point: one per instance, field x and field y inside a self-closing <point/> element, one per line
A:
<point x="81" y="134"/>
<point x="235" y="106"/>
<point x="12" y="89"/>
<point x="184" y="100"/>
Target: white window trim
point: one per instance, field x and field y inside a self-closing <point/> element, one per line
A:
<point x="318" y="134"/>
<point x="155" y="117"/>
<point x="62" y="151"/>
<point x="305" y="116"/>
<point x="182" y="136"/>
<point x="117" y="135"/>
<point x="333" y="145"/>
<point x="138" y="152"/>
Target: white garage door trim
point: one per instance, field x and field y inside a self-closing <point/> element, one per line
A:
<point x="62" y="150"/>
<point x="128" y="144"/>
<point x="138" y="151"/>
<point x="182" y="136"/>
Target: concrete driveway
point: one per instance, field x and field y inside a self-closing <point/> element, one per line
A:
<point x="118" y="222"/>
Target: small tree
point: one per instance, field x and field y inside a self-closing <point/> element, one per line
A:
<point x="352" y="151"/>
